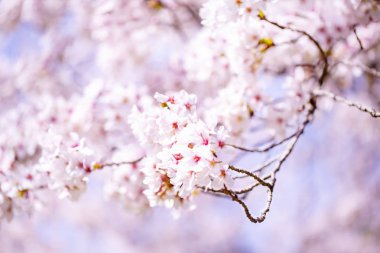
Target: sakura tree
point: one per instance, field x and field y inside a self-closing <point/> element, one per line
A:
<point x="172" y="98"/>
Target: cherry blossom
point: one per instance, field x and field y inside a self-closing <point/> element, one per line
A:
<point x="184" y="150"/>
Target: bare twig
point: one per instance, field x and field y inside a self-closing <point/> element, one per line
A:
<point x="374" y="113"/>
<point x="305" y="65"/>
<point x="292" y="41"/>
<point x="312" y="39"/>
<point x="261" y="168"/>
<point x="262" y="150"/>
<point x="288" y="151"/>
<point x="264" y="212"/>
<point x="248" y="173"/>
<point x="250" y="188"/>
<point x="290" y="148"/>
<point x="216" y="194"/>
<point x="193" y="13"/>
<point x="371" y="47"/>
<point x="363" y="67"/>
<point x="358" y="39"/>
<point x="100" y="166"/>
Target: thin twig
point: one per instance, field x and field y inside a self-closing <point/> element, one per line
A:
<point x="363" y="67"/>
<point x="100" y="166"/>
<point x="292" y="41"/>
<point x="261" y="168"/>
<point x="264" y="212"/>
<point x="312" y="39"/>
<point x="248" y="173"/>
<point x="358" y="39"/>
<point x="288" y="151"/>
<point x="262" y="150"/>
<point x="373" y="112"/>
<point x="215" y="194"/>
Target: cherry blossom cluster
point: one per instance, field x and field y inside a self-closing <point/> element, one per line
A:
<point x="67" y="140"/>
<point x="183" y="152"/>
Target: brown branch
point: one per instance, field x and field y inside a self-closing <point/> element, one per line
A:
<point x="193" y="13"/>
<point x="264" y="212"/>
<point x="363" y="67"/>
<point x="308" y="119"/>
<point x="250" y="174"/>
<point x="358" y="39"/>
<point x="312" y="39"/>
<point x="288" y="151"/>
<point x="218" y="194"/>
<point x="292" y="41"/>
<point x="101" y="166"/>
<point x="250" y="188"/>
<point x="262" y="150"/>
<point x="261" y="168"/>
<point x="373" y="112"/>
<point x="206" y="189"/>
<point x="305" y="65"/>
<point x="367" y="49"/>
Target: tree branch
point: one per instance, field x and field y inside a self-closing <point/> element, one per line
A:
<point x="101" y="166"/>
<point x="358" y="39"/>
<point x="264" y="212"/>
<point x="261" y="168"/>
<point x="371" y="111"/>
<point x="250" y="174"/>
<point x="363" y="67"/>
<point x="262" y="150"/>
<point x="312" y="39"/>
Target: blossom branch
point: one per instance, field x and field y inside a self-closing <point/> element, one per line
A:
<point x="312" y="39"/>
<point x="288" y="151"/>
<point x="358" y="38"/>
<point x="262" y="150"/>
<point x="101" y="166"/>
<point x="363" y="67"/>
<point x="257" y="178"/>
<point x="264" y="212"/>
<point x="261" y="168"/>
<point x="373" y="112"/>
